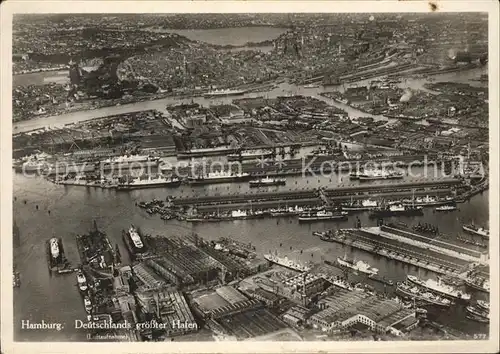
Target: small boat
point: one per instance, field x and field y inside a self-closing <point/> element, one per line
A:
<point x="446" y="208"/>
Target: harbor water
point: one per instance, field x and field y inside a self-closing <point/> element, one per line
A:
<point x="73" y="210"/>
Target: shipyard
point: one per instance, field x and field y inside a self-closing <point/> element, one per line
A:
<point x="303" y="177"/>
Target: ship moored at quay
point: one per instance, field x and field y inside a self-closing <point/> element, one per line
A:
<point x="157" y="182"/>
<point x="287" y="263"/>
<point x="476" y="230"/>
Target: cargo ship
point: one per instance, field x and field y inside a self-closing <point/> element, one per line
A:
<point x="322" y="215"/>
<point x="201" y="152"/>
<point x="413" y="292"/>
<point x="439" y="288"/>
<point x="149" y="182"/>
<point x="446" y="208"/>
<point x="81" y="280"/>
<point x="478" y="284"/>
<point x="363" y="205"/>
<point x="475" y="230"/>
<point x="128" y="161"/>
<point x="324" y="152"/>
<point x="311" y="86"/>
<point x="228" y="92"/>
<point x="358" y="266"/>
<point x="133" y="241"/>
<point x="56" y="259"/>
<point x="428" y="201"/>
<point x="249" y="155"/>
<point x="477" y="314"/>
<point x="96" y="253"/>
<point x="290" y="211"/>
<point x="373" y="175"/>
<point x="285" y="262"/>
<point x="381" y="279"/>
<point x="397" y="210"/>
<point x="219" y="177"/>
<point x="234" y="215"/>
<point x="264" y="182"/>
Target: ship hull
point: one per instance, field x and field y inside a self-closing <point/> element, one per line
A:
<point x="476" y="287"/>
<point x="437" y="291"/>
<point x="190" y="154"/>
<point x="224" y="94"/>
<point x="409" y="295"/>
<point x="283" y="264"/>
<point x="474" y="232"/>
<point x="375" y="178"/>
<point x="233" y="157"/>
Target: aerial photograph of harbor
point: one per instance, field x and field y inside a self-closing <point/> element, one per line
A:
<point x="250" y="176"/>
